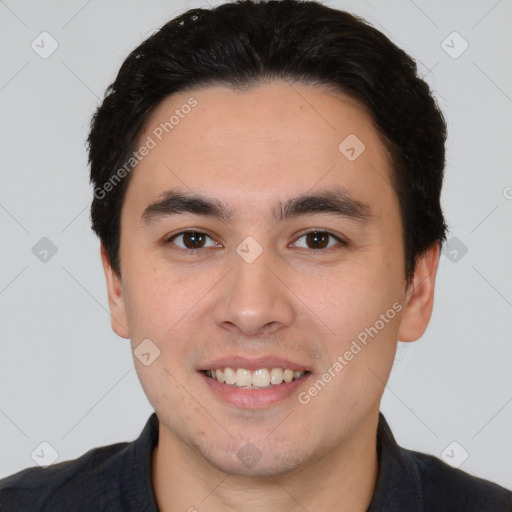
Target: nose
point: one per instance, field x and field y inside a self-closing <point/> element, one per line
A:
<point x="254" y="299"/>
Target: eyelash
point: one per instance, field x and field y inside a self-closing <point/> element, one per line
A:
<point x="169" y="241"/>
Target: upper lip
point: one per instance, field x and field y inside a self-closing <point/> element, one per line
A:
<point x="253" y="363"/>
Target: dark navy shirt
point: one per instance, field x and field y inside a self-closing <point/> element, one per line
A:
<point x="117" y="478"/>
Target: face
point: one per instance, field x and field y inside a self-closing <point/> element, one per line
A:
<point x="288" y="257"/>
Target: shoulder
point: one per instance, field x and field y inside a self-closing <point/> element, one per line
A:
<point x="66" y="484"/>
<point x="448" y="488"/>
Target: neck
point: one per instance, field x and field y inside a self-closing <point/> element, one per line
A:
<point x="342" y="479"/>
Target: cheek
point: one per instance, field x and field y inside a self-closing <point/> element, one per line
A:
<point x="361" y="357"/>
<point x="169" y="307"/>
<point x="352" y="298"/>
<point x="159" y="297"/>
<point x="362" y="310"/>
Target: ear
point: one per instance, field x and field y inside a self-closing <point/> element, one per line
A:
<point x="419" y="298"/>
<point x="118" y="318"/>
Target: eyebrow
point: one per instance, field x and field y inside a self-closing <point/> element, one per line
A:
<point x="336" y="202"/>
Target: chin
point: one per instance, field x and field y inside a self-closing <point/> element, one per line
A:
<point x="248" y="460"/>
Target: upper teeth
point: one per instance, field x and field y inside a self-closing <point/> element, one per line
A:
<point x="261" y="378"/>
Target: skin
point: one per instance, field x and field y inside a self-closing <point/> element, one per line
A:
<point x="251" y="150"/>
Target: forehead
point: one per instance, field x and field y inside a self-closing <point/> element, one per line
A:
<point x="260" y="145"/>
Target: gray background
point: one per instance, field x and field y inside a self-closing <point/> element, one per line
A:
<point x="67" y="379"/>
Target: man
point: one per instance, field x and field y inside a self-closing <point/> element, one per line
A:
<point x="267" y="182"/>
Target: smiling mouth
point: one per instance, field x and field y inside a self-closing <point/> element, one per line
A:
<point x="262" y="378"/>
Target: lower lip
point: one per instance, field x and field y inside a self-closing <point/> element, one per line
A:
<point x="254" y="398"/>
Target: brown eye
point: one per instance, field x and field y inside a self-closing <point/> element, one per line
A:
<point x="190" y="240"/>
<point x="319" y="240"/>
<point x="193" y="240"/>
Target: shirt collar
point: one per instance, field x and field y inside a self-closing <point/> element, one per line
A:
<point x="137" y="470"/>
<point x="398" y="486"/>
